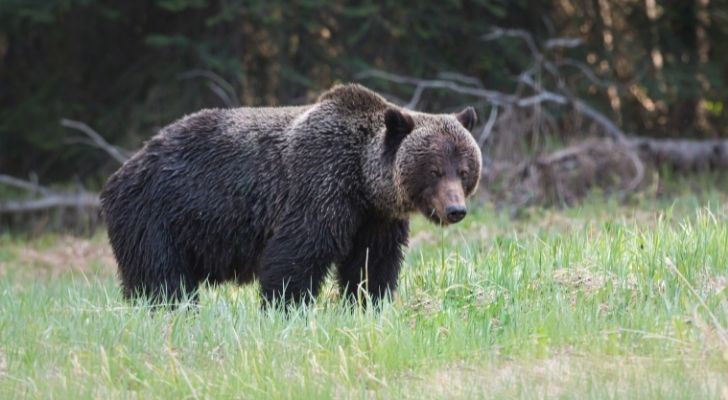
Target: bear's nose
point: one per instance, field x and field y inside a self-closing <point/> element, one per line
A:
<point x="455" y="213"/>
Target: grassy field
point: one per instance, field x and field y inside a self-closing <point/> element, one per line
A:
<point x="602" y="301"/>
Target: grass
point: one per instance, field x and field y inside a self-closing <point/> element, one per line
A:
<point x="601" y="301"/>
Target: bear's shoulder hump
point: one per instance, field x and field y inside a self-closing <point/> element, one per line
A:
<point x="354" y="97"/>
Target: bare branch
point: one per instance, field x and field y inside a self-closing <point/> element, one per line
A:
<point x="488" y="127"/>
<point x="393" y="98"/>
<point x="609" y="127"/>
<point x="221" y="94"/>
<point x="23" y="184"/>
<point x="493" y="97"/>
<point x="566" y="42"/>
<point x="683" y="154"/>
<point x="585" y="70"/>
<point x="639" y="175"/>
<point x="416" y="97"/>
<point x="580" y="106"/>
<point x="542" y="97"/>
<point x="460" y="78"/>
<point x="51" y="201"/>
<point x="565" y="176"/>
<point x="496" y="98"/>
<point x="217" y="84"/>
<point x="101" y="143"/>
<point x="592" y="77"/>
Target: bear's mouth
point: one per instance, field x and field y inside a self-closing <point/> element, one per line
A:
<point x="433" y="216"/>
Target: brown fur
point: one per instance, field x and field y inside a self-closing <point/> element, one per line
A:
<point x="437" y="157"/>
<point x="281" y="194"/>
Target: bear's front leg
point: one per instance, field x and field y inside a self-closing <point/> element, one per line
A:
<point x="297" y="258"/>
<point x="373" y="263"/>
<point x="289" y="274"/>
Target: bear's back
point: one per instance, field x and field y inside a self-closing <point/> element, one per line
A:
<point x="204" y="159"/>
<point x="212" y="182"/>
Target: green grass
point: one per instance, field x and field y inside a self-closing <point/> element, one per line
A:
<point x="601" y="301"/>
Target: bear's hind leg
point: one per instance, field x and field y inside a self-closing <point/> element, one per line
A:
<point x="172" y="290"/>
<point x="157" y="271"/>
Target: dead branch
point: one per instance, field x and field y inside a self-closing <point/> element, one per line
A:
<point x="566" y="97"/>
<point x="585" y="70"/>
<point x="488" y="126"/>
<point x="580" y="106"/>
<point x="683" y="155"/>
<point x="460" y="78"/>
<point x="49" y="198"/>
<point x="496" y="98"/>
<point x="98" y="141"/>
<point x="217" y="84"/>
<point x="23" y="184"/>
<point x="567" y="175"/>
<point x="639" y="174"/>
<point x="565" y="42"/>
<point x="221" y="94"/>
<point x="491" y="96"/>
<point x="81" y="200"/>
<point x="416" y="96"/>
<point x="616" y="164"/>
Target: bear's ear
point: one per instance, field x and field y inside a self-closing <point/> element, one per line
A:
<point x="468" y="118"/>
<point x="398" y="126"/>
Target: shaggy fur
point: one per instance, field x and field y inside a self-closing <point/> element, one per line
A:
<point x="281" y="194"/>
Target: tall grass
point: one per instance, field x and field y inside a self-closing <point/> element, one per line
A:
<point x="602" y="301"/>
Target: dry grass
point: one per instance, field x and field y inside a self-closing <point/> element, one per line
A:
<point x="564" y="375"/>
<point x="67" y="254"/>
<point x="581" y="278"/>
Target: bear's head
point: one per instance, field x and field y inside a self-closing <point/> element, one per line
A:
<point x="436" y="162"/>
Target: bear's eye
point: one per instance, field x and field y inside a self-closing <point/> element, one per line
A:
<point x="435" y="173"/>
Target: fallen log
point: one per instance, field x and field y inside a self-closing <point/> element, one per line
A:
<point x="683" y="155"/>
<point x="617" y="167"/>
<point x="43" y="198"/>
<point x="82" y="200"/>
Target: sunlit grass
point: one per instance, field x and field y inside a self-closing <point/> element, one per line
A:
<point x="602" y="301"/>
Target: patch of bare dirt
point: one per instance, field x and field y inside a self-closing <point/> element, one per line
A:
<point x="589" y="281"/>
<point x="549" y="377"/>
<point x="423" y="303"/>
<point x="580" y="278"/>
<point x="67" y="254"/>
<point x="714" y="285"/>
<point x="553" y="377"/>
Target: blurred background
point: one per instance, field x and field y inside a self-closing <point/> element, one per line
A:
<point x="572" y="95"/>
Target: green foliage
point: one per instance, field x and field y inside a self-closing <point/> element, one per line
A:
<point x="180" y="5"/>
<point x="118" y="66"/>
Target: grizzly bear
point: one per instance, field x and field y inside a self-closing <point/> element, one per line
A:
<point x="281" y="194"/>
